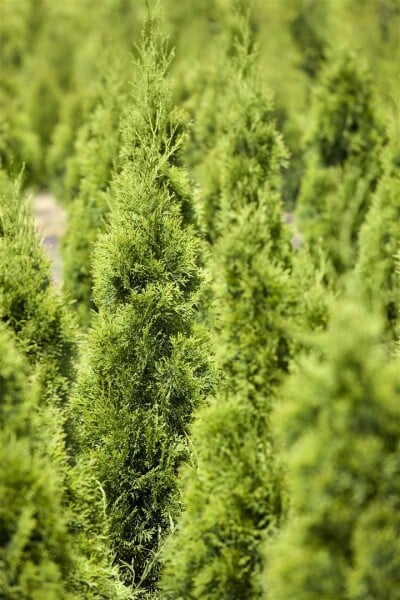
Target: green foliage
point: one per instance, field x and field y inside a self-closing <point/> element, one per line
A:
<point x="316" y="298"/>
<point x="379" y="240"/>
<point x="254" y="298"/>
<point x="232" y="493"/>
<point x="51" y="58"/>
<point x="232" y="497"/>
<point x="248" y="227"/>
<point x="42" y="555"/>
<point x="105" y="39"/>
<point x="340" y="424"/>
<point x="346" y="126"/>
<point x="309" y="29"/>
<point x="145" y="366"/>
<point x="97" y="482"/>
<point x="345" y="141"/>
<point x="17" y="141"/>
<point x="373" y="28"/>
<point x="94" y="159"/>
<point x="50" y="31"/>
<point x="29" y="304"/>
<point x="235" y="126"/>
<point x="36" y="556"/>
<point x="48" y="501"/>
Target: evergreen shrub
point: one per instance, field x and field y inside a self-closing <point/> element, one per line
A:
<point x="345" y="141"/>
<point x="95" y="159"/>
<point x="18" y="143"/>
<point x="309" y="28"/>
<point x="36" y="555"/>
<point x="29" y="304"/>
<point x="49" y="501"/>
<point x="339" y="422"/>
<point x="103" y="42"/>
<point x="45" y="502"/>
<point x="233" y="492"/>
<point x="379" y="240"/>
<point x="233" y="489"/>
<point x="246" y="133"/>
<point x="145" y="367"/>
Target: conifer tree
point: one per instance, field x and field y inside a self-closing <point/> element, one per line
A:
<point x="104" y="34"/>
<point x="41" y="485"/>
<point x="91" y="167"/>
<point x="339" y="421"/>
<point x="29" y="304"/>
<point x="379" y="240"/>
<point x="316" y="297"/>
<point x="345" y="141"/>
<point x="215" y="129"/>
<point x="145" y="366"/>
<point x="18" y="144"/>
<point x="309" y="29"/>
<point x="233" y="491"/>
<point x="42" y="554"/>
<point x="36" y="556"/>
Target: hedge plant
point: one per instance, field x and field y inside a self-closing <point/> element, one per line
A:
<point x="145" y="367"/>
<point x="345" y="140"/>
<point x="338" y="421"/>
<point x="233" y="490"/>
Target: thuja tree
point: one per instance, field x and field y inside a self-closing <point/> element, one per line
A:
<point x="41" y="553"/>
<point x="91" y="167"/>
<point x="309" y="28"/>
<point x="339" y="422"/>
<point x="250" y="141"/>
<point x="29" y="304"/>
<point x="317" y="296"/>
<point x="36" y="555"/>
<point x="145" y="366"/>
<point x="18" y="143"/>
<point x="103" y="34"/>
<point x="37" y="469"/>
<point x="345" y="141"/>
<point x="379" y="239"/>
<point x="233" y="490"/>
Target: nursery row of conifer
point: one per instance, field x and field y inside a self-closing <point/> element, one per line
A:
<point x="209" y="408"/>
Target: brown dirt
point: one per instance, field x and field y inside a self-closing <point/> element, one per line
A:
<point x="50" y="220"/>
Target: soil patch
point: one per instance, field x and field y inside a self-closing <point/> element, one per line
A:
<point x="50" y="219"/>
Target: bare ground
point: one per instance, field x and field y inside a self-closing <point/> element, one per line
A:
<point x="50" y="220"/>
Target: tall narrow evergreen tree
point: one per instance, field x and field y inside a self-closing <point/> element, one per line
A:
<point x="18" y="143"/>
<point x="91" y="167"/>
<point x="340" y="424"/>
<point x="345" y="142"/>
<point x="29" y="304"/>
<point x="42" y="554"/>
<point x="379" y="241"/>
<point x="36" y="555"/>
<point x="309" y="28"/>
<point x="233" y="491"/>
<point x="103" y="34"/>
<point x="217" y="136"/>
<point x="145" y="366"/>
<point x="43" y="558"/>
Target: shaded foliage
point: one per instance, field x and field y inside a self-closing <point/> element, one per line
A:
<point x="379" y="241"/>
<point x="232" y="491"/>
<point x="29" y="304"/>
<point x="345" y="142"/>
<point x="339" y="424"/>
